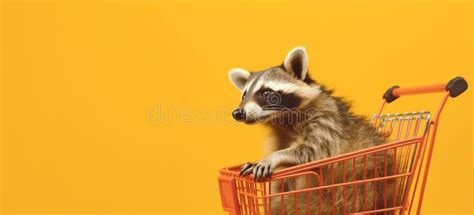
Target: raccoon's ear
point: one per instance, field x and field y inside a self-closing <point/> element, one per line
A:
<point x="296" y="62"/>
<point x="239" y="77"/>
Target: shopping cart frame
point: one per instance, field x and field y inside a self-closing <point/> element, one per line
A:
<point x="229" y="179"/>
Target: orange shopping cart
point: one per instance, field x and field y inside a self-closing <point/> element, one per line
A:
<point x="400" y="189"/>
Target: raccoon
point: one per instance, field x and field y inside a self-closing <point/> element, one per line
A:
<point x="307" y="123"/>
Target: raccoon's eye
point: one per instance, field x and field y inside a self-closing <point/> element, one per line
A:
<point x="266" y="93"/>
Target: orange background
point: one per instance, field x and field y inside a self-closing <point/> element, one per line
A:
<point x="86" y="86"/>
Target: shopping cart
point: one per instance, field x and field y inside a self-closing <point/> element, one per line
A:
<point x="397" y="188"/>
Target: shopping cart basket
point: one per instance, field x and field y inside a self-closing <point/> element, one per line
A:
<point x="310" y="187"/>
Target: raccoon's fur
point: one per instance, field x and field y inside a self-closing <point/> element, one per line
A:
<point x="307" y="124"/>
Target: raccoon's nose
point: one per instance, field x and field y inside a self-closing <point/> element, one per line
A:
<point x="238" y="114"/>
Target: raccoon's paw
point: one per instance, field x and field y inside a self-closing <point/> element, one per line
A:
<point x="262" y="170"/>
<point x="247" y="168"/>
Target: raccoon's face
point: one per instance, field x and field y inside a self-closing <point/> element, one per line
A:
<point x="269" y="93"/>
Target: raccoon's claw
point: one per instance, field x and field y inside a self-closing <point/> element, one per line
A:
<point x="246" y="168"/>
<point x="262" y="171"/>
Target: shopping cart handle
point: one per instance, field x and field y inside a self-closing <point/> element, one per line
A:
<point x="455" y="86"/>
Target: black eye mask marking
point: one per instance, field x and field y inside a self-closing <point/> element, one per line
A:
<point x="276" y="100"/>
